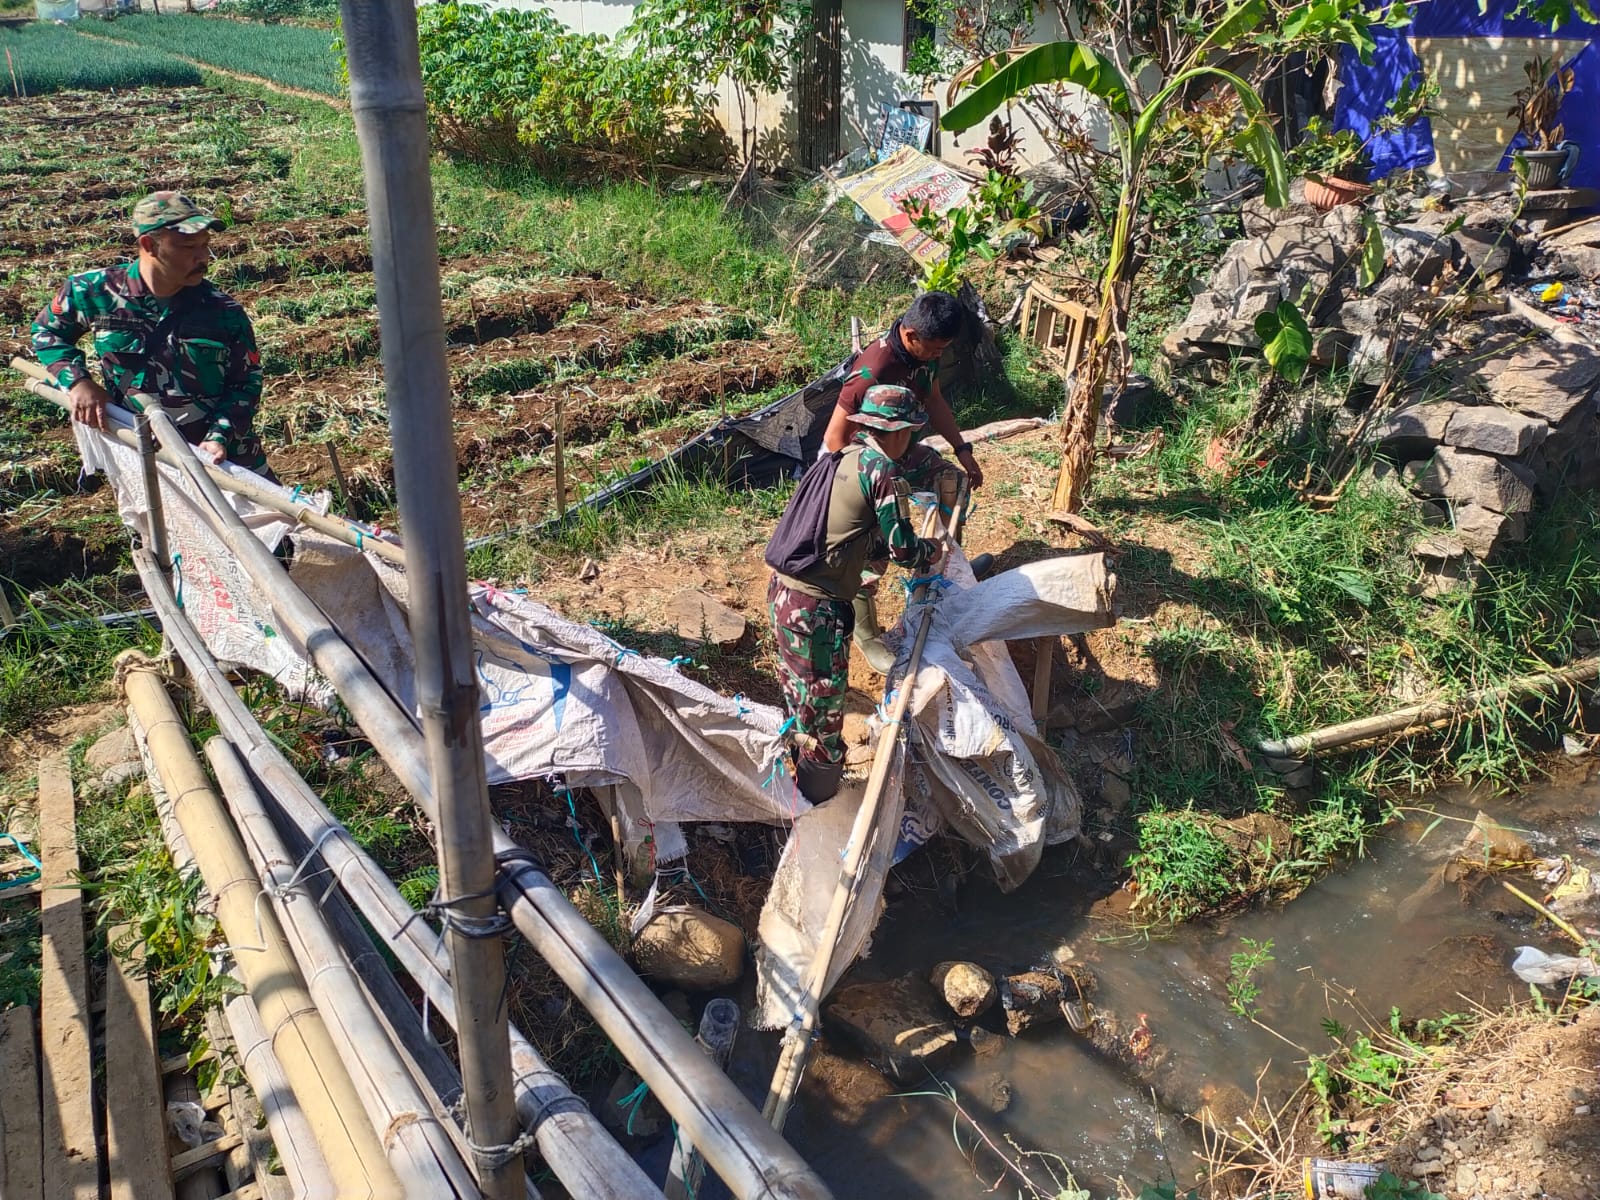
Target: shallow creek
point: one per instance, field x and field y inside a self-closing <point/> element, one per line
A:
<point x="1370" y="936"/>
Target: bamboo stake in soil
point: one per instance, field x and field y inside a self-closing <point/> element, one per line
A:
<point x="578" y="1149"/>
<point x="561" y="458"/>
<point x="386" y="100"/>
<point x="301" y="1041"/>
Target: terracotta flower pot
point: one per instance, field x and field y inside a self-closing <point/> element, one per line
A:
<point x="1330" y="192"/>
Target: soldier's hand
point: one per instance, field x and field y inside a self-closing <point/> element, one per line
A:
<point x="89" y="402"/>
<point x="215" y="451"/>
<point x="969" y="464"/>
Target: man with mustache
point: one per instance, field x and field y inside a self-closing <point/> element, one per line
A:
<point x="163" y="332"/>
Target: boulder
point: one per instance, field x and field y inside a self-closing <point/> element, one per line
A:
<point x="966" y="987"/>
<point x="696" y="617"/>
<point x="1418" y="253"/>
<point x="1494" y="844"/>
<point x="1549" y="381"/>
<point x="896" y="1024"/>
<point x="1495" y="430"/>
<point x="1440" y="580"/>
<point x="112" y="750"/>
<point x="1486" y="249"/>
<point x="1486" y="532"/>
<point x="985" y="1043"/>
<point x="1260" y="220"/>
<point x="687" y="948"/>
<point x="1412" y="430"/>
<point x="634" y="1117"/>
<point x="1466" y="475"/>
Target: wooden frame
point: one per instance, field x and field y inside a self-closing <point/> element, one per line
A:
<point x="1058" y="326"/>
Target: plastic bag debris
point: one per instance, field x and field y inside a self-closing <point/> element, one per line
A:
<point x="1535" y="966"/>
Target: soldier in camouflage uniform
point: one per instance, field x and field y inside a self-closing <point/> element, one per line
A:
<point x="812" y="615"/>
<point x="908" y="356"/>
<point x="162" y="332"/>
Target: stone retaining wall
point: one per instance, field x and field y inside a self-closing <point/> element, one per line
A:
<point x="1489" y="420"/>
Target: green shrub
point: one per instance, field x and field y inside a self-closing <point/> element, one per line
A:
<point x="316" y="12"/>
<point x="499" y="79"/>
<point x="54" y="58"/>
<point x="288" y="54"/>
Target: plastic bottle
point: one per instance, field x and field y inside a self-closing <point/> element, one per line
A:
<point x="1330" y="1180"/>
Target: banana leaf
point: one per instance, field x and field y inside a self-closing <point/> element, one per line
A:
<point x="1053" y="62"/>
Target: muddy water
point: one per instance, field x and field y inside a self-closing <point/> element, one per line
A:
<point x="1370" y="936"/>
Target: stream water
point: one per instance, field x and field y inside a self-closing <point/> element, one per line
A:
<point x="1370" y="936"/>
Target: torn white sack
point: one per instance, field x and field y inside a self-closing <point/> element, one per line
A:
<point x="230" y="612"/>
<point x="974" y="764"/>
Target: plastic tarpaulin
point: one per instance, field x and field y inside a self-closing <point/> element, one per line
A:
<point x="557" y="696"/>
<point x="1367" y="89"/>
<point x="230" y="612"/>
<point x="972" y="764"/>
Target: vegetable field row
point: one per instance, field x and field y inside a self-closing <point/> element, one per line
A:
<point x="44" y="58"/>
<point x="288" y="54"/>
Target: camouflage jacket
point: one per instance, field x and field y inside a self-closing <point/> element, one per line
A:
<point x="195" y="351"/>
<point x="868" y="520"/>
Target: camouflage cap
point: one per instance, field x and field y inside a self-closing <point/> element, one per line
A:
<point x="889" y="407"/>
<point x="171" y="210"/>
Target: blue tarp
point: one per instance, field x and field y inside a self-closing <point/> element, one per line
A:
<point x="1368" y="88"/>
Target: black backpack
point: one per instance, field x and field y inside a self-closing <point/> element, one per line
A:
<point x="801" y="539"/>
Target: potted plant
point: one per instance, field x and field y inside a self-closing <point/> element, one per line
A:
<point x="1548" y="157"/>
<point x="1334" y="163"/>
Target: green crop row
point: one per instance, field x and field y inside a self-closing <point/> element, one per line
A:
<point x="43" y="58"/>
<point x="288" y="54"/>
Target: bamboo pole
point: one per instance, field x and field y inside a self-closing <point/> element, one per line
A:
<point x="391" y="120"/>
<point x="749" y="1156"/>
<point x="561" y="458"/>
<point x="120" y="425"/>
<point x="719" y="1025"/>
<point x="863" y="833"/>
<point x="299" y="1038"/>
<point x="291" y="1131"/>
<point x="420" y="1147"/>
<point x="583" y="1155"/>
<point x="1414" y="717"/>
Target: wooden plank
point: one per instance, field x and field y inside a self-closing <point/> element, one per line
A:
<point x="136" y="1135"/>
<point x="1044" y="649"/>
<point x="67" y="1084"/>
<point x="190" y="1161"/>
<point x="20" y="1169"/>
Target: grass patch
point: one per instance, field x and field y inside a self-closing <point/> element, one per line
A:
<point x="49" y="58"/>
<point x="288" y="54"/>
<point x="1291" y="616"/>
<point x="57" y="655"/>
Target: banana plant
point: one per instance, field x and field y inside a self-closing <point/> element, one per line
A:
<point x="1137" y="132"/>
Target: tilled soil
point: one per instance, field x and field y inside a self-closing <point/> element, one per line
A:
<point x="633" y="375"/>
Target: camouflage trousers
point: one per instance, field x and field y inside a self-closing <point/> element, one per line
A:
<point x="813" y="637"/>
<point x="921" y="467"/>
